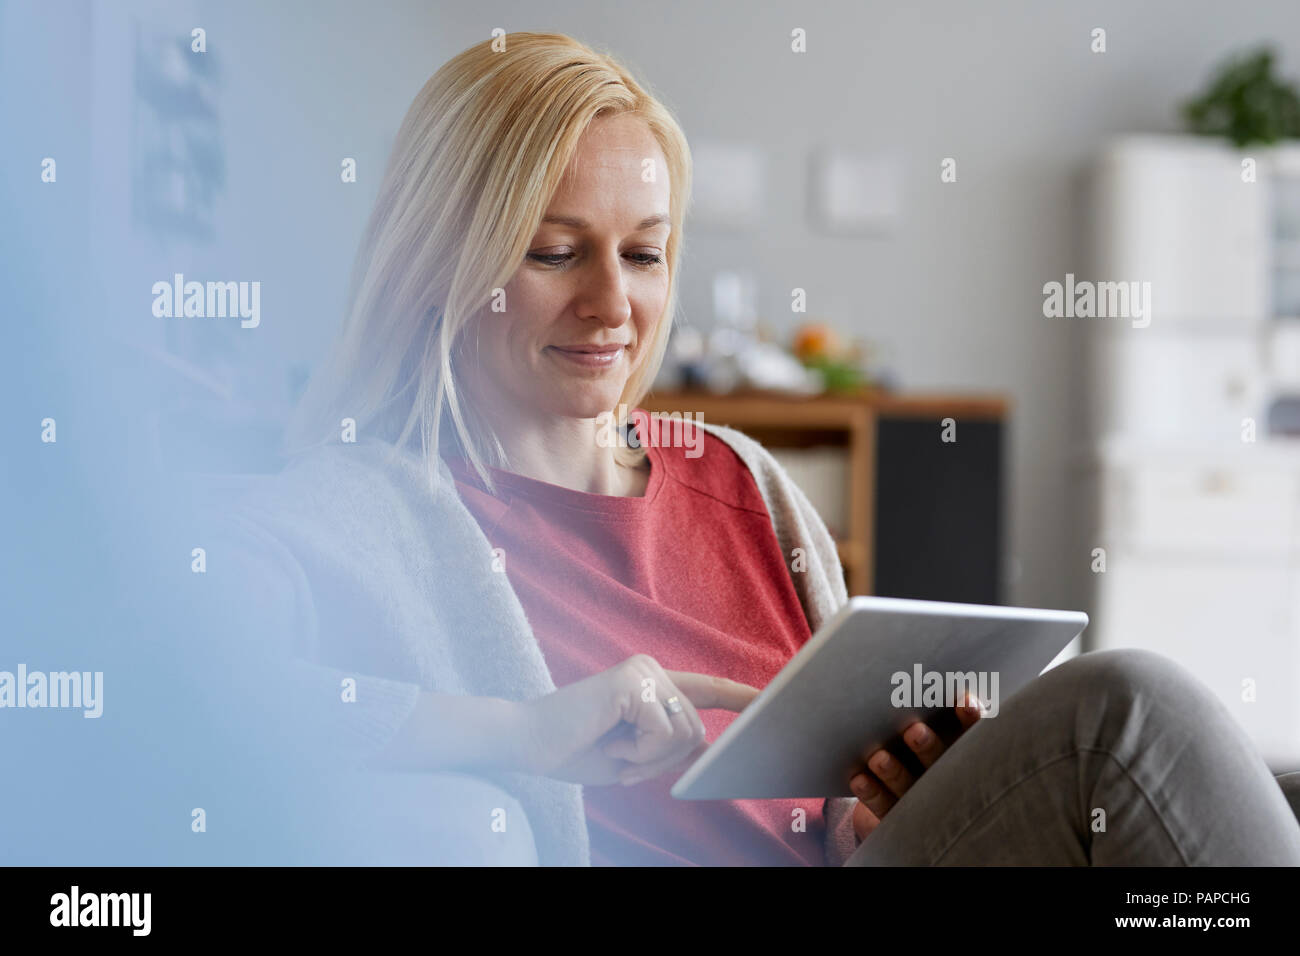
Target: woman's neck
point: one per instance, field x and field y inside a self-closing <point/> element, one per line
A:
<point x="567" y="452"/>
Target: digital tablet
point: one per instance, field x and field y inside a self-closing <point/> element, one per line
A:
<point x="875" y="667"/>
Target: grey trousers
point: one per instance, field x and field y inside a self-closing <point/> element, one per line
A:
<point x="1116" y="758"/>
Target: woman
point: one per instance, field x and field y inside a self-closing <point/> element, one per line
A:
<point x="515" y="287"/>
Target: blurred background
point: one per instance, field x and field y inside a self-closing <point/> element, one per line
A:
<point x="884" y="193"/>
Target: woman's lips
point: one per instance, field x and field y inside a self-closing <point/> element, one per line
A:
<point x="588" y="356"/>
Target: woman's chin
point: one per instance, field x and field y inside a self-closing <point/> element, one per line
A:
<point x="587" y="405"/>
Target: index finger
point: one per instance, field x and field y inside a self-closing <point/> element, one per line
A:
<point x="704" y="690"/>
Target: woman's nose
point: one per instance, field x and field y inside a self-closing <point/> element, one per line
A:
<point x="602" y="293"/>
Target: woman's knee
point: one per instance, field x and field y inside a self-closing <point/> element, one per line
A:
<point x="1128" y="681"/>
<point x="1132" y="672"/>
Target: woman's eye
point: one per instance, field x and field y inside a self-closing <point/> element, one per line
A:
<point x="646" y="259"/>
<point x="553" y="259"/>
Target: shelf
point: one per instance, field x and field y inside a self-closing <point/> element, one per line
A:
<point x="852" y="553"/>
<point x="829" y="410"/>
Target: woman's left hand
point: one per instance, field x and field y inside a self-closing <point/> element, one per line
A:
<point x="880" y="786"/>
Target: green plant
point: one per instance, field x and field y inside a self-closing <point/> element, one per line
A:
<point x="837" y="375"/>
<point x="1246" y="103"/>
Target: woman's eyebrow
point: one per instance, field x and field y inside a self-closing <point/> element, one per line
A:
<point x="579" y="223"/>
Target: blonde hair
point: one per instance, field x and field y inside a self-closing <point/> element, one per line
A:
<point x="480" y="152"/>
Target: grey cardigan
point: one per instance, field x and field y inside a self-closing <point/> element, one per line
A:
<point x="347" y="566"/>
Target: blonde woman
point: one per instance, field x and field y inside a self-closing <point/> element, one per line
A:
<point x="510" y="595"/>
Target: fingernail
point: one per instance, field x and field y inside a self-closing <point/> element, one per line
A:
<point x="920" y="734"/>
<point x="884" y="761"/>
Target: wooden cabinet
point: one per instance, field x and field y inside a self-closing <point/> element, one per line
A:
<point x="923" y="515"/>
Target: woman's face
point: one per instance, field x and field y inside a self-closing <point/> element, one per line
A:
<point x="581" y="310"/>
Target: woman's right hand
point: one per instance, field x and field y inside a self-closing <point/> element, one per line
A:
<point x="614" y="727"/>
